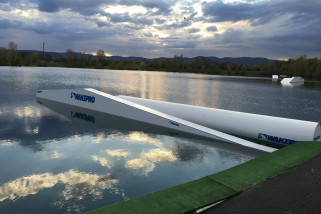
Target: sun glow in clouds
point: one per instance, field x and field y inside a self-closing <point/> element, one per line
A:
<point x="26" y="13"/>
<point x="120" y="9"/>
<point x="95" y="53"/>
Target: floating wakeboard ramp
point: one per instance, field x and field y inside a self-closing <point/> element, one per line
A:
<point x="99" y="101"/>
<point x="261" y="127"/>
<point x="110" y="122"/>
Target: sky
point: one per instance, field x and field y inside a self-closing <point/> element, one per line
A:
<point x="275" y="29"/>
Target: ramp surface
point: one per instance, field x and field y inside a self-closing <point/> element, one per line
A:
<point x="101" y="102"/>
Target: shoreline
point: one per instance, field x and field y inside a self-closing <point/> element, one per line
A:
<point x="167" y="71"/>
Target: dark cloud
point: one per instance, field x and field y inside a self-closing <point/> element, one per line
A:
<point x="100" y="23"/>
<point x="82" y="6"/>
<point x="231" y="35"/>
<point x="212" y="28"/>
<point x="42" y="28"/>
<point x="286" y="43"/>
<point x="119" y="17"/>
<point x="148" y="35"/>
<point x="181" y="43"/>
<point x="129" y="46"/>
<point x="194" y="30"/>
<point x="221" y="11"/>
<point x="179" y="24"/>
<point x="6" y="23"/>
<point x="163" y="7"/>
<point x="262" y="12"/>
<point x="160" y="21"/>
<point x="18" y="2"/>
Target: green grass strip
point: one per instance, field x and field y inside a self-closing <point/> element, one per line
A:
<point x="196" y="194"/>
<point x="259" y="169"/>
<point x="178" y="199"/>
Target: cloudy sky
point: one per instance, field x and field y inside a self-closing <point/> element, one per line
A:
<point x="277" y="29"/>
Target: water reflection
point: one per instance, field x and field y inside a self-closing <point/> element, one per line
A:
<point x="118" y="153"/>
<point x="294" y="84"/>
<point x="140" y="163"/>
<point x="156" y="83"/>
<point x="142" y="138"/>
<point x="77" y="185"/>
<point x="146" y="162"/>
<point x="198" y="97"/>
<point x="102" y="161"/>
<point x="72" y="165"/>
<point x="28" y="125"/>
<point x="188" y="152"/>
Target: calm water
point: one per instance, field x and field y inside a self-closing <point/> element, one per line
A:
<point x="51" y="164"/>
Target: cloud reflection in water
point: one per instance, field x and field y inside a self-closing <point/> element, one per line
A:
<point x="142" y="138"/>
<point x="146" y="162"/>
<point x="101" y="161"/>
<point x="117" y="153"/>
<point x="77" y="185"/>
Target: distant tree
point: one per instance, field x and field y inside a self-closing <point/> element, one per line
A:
<point x="181" y="62"/>
<point x="3" y="56"/>
<point x="33" y="59"/>
<point x="70" y="57"/>
<point x="23" y="58"/>
<point x="82" y="55"/>
<point x="178" y="63"/>
<point x="100" y="57"/>
<point x="48" y="58"/>
<point x="12" y="54"/>
<point x="82" y="60"/>
<point x="23" y="55"/>
<point x="317" y="74"/>
<point x="198" y="62"/>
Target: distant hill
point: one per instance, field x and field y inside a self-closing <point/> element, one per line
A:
<point x="240" y="60"/>
<point x="53" y="54"/>
<point x="235" y="60"/>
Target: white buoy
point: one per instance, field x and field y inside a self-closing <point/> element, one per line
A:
<point x="275" y="77"/>
<point x="106" y="103"/>
<point x="261" y="127"/>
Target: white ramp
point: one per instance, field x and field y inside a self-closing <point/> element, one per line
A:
<point x="102" y="102"/>
<point x="271" y="129"/>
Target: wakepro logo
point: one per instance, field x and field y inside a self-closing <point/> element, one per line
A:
<point x="276" y="139"/>
<point x="81" y="97"/>
<point x="82" y="116"/>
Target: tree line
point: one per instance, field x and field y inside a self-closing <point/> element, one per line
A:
<point x="308" y="68"/>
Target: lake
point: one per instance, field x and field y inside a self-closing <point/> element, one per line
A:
<point x="52" y="164"/>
